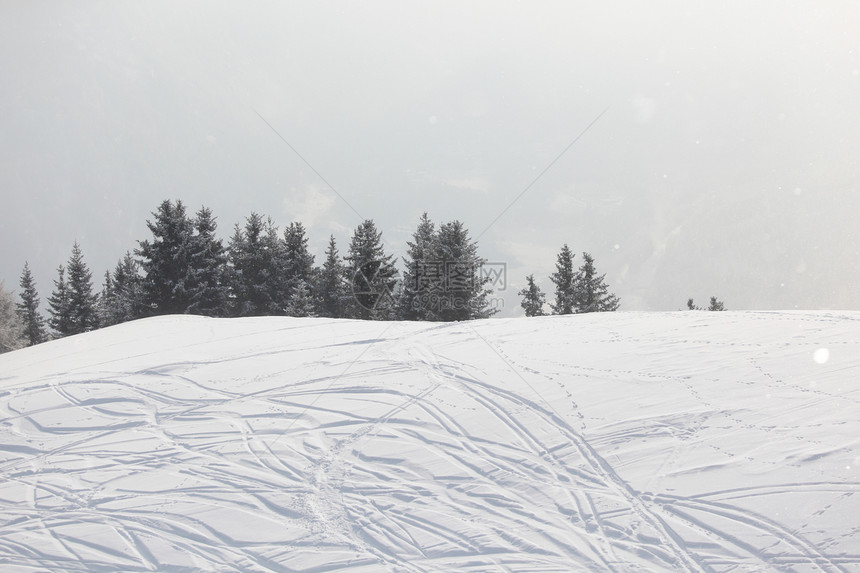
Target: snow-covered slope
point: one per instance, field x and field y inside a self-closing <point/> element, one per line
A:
<point x="687" y="441"/>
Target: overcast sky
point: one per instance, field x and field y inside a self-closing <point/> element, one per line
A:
<point x="727" y="161"/>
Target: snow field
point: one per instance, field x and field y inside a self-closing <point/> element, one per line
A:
<point x="688" y="441"/>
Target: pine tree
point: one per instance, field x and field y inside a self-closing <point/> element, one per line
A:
<point x="73" y="305"/>
<point x="716" y="305"/>
<point x="301" y="300"/>
<point x="591" y="293"/>
<point x="371" y="273"/>
<point x="58" y="305"/>
<point x="298" y="261"/>
<point x="423" y="275"/>
<point x="564" y="280"/>
<point x="206" y="284"/>
<point x="129" y="288"/>
<point x="28" y="309"/>
<point x="107" y="301"/>
<point x="331" y="291"/>
<point x="11" y="328"/>
<point x="166" y="260"/>
<point x="533" y="298"/>
<point x="464" y="293"/>
<point x="256" y="269"/>
<point x="82" y="301"/>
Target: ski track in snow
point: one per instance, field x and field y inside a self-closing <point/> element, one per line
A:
<point x="623" y="442"/>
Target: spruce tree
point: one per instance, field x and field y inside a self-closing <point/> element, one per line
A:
<point x="423" y="275"/>
<point x="73" y="305"/>
<point x="256" y="269"/>
<point x="82" y="301"/>
<point x="107" y="301"/>
<point x="533" y="298"/>
<point x="298" y="262"/>
<point x="166" y="260"/>
<point x="58" y="305"/>
<point x="564" y="279"/>
<point x="301" y="300"/>
<point x="11" y="328"/>
<point x="127" y="291"/>
<point x="207" y="282"/>
<point x="28" y="309"/>
<point x="715" y="305"/>
<point x="591" y="293"/>
<point x="372" y="275"/>
<point x="331" y="287"/>
<point x="464" y="293"/>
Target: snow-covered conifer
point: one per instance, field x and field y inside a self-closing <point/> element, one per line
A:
<point x="256" y="269"/>
<point x="331" y="287"/>
<point x="166" y="260"/>
<point x="591" y="293"/>
<point x="58" y="305"/>
<point x="127" y="291"/>
<point x="464" y="293"/>
<point x="423" y="274"/>
<point x="298" y="262"/>
<point x="301" y="299"/>
<point x="533" y="298"/>
<point x="107" y="301"/>
<point x="28" y="309"/>
<point x="564" y="279"/>
<point x="206" y="284"/>
<point x="11" y="327"/>
<point x="82" y="300"/>
<point x="372" y="274"/>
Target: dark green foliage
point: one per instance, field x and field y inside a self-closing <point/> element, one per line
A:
<point x="533" y="299"/>
<point x="464" y="294"/>
<point x="58" y="305"/>
<point x="128" y="290"/>
<point x="371" y="273"/>
<point x="591" y="293"/>
<point x="422" y="277"/>
<point x="122" y="297"/>
<point x="716" y="305"/>
<point x="106" y="301"/>
<point x="206" y="282"/>
<point x="83" y="300"/>
<point x="298" y="269"/>
<point x="166" y="260"/>
<point x="564" y="279"/>
<point x="28" y="309"/>
<point x="331" y="285"/>
<point x="73" y="304"/>
<point x="257" y="277"/>
<point x="301" y="300"/>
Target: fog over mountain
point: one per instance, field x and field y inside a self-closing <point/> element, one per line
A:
<point x="724" y="162"/>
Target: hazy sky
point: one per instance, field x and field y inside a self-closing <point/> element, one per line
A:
<point x="727" y="161"/>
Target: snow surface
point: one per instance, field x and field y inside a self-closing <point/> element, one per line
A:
<point x="687" y="441"/>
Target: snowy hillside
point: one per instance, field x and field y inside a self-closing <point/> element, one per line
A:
<point x="687" y="441"/>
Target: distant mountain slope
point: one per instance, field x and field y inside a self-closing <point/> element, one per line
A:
<point x="689" y="441"/>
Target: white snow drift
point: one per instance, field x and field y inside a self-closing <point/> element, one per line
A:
<point x="687" y="441"/>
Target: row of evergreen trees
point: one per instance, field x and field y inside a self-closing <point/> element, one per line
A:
<point x="186" y="269"/>
<point x="576" y="291"/>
